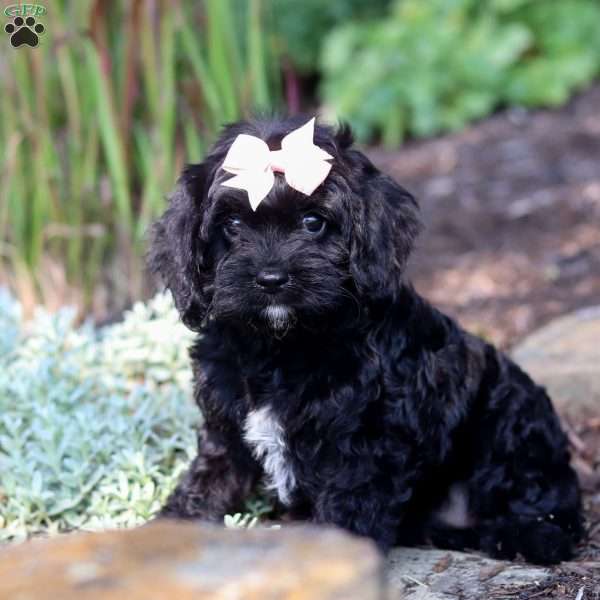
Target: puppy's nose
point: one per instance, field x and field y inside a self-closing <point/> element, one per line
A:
<point x="272" y="279"/>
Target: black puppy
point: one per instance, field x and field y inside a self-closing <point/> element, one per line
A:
<point x="324" y="376"/>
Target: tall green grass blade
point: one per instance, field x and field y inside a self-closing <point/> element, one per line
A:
<point x="96" y="123"/>
<point x="256" y="56"/>
<point x="193" y="144"/>
<point x="109" y="134"/>
<point x="224" y="63"/>
<point x="168" y="97"/>
<point x="193" y="52"/>
<point x="149" y="54"/>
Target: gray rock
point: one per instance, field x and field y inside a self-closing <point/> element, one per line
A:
<point x="428" y="574"/>
<point x="564" y="356"/>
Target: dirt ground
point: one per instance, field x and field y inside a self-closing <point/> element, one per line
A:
<point x="512" y="214"/>
<point x="512" y="240"/>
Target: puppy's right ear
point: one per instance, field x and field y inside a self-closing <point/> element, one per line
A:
<point x="177" y="249"/>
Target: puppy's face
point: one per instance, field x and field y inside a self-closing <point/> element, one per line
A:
<point x="283" y="264"/>
<point x="295" y="260"/>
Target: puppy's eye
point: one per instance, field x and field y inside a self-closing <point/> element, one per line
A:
<point x="313" y="223"/>
<point x="232" y="227"/>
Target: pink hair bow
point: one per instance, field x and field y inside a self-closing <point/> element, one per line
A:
<point x="304" y="165"/>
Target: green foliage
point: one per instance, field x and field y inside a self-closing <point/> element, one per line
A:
<point x="98" y="120"/>
<point x="301" y="27"/>
<point x="436" y="65"/>
<point x="564" y="56"/>
<point x="240" y="521"/>
<point x="95" y="426"/>
<point x="256" y="509"/>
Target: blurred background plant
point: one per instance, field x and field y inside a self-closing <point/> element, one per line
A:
<point x="97" y="121"/>
<point x="434" y="66"/>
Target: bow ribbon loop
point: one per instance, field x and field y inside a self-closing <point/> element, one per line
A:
<point x="253" y="164"/>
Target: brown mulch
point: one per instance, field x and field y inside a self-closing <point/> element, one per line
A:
<point x="512" y="240"/>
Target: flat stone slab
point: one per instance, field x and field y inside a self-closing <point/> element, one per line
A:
<point x="185" y="561"/>
<point x="429" y="574"/>
<point x="564" y="357"/>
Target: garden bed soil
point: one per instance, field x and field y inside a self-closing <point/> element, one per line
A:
<point x="512" y="217"/>
<point x="511" y="208"/>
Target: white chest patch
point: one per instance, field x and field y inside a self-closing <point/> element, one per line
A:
<point x="455" y="510"/>
<point x="265" y="436"/>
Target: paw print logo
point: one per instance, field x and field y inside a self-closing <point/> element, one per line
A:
<point x="24" y="31"/>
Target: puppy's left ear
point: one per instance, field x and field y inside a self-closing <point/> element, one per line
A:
<point x="177" y="248"/>
<point x="385" y="224"/>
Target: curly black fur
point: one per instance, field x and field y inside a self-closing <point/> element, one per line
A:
<point x="380" y="407"/>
